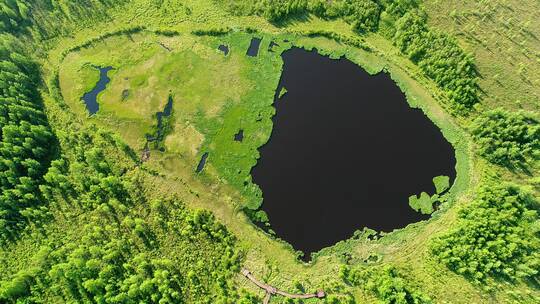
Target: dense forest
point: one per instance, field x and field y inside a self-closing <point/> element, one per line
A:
<point x="497" y="235"/>
<point x="27" y="143"/>
<point x="131" y="247"/>
<point x="117" y="256"/>
<point x="508" y="139"/>
<point x="44" y="19"/>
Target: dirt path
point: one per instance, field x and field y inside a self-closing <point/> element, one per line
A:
<point x="271" y="290"/>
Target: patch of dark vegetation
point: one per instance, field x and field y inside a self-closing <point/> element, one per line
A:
<point x="145" y="155"/>
<point x="168" y="33"/>
<point x="168" y="49"/>
<point x="272" y="45"/>
<point x="163" y="126"/>
<point x="220" y="31"/>
<point x="125" y="94"/>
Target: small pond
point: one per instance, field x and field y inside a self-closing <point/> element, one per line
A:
<point x="90" y="98"/>
<point x="253" y="49"/>
<point x="159" y="133"/>
<point x="202" y="163"/>
<point x="239" y="136"/>
<point x="223" y="48"/>
<point x="346" y="152"/>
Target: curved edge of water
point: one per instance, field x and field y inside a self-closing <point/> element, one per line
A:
<point x="454" y="134"/>
<point x="90" y="98"/>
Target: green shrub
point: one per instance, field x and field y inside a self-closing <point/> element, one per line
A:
<point x="508" y="139"/>
<point x="439" y="57"/>
<point x="496" y="235"/>
<point x="386" y="284"/>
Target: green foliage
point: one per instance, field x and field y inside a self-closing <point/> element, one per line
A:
<point x="273" y="10"/>
<point x="27" y="144"/>
<point x="497" y="235"/>
<point x="424" y="203"/>
<point x="442" y="183"/>
<point x="47" y="17"/>
<point x="213" y="31"/>
<point x="363" y="15"/>
<point x="391" y="288"/>
<point x="350" y="40"/>
<point x="385" y="283"/>
<point x="13" y="14"/>
<point x="282" y="92"/>
<point x="126" y="249"/>
<point x="508" y="139"/>
<point x="439" y="57"/>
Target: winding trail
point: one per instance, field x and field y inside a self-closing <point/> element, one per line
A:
<point x="271" y="290"/>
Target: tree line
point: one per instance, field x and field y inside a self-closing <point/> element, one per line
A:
<point x="46" y="18"/>
<point x="27" y="144"/>
<point x="510" y="139"/>
<point x="497" y="235"/>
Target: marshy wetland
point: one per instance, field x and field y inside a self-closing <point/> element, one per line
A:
<point x="324" y="146"/>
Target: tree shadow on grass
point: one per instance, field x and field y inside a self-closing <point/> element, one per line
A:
<point x="292" y="20"/>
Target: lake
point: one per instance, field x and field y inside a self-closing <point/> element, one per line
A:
<point x="346" y="152"/>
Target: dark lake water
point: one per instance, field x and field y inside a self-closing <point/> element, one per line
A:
<point x="254" y="45"/>
<point x="90" y="98"/>
<point x="346" y="152"/>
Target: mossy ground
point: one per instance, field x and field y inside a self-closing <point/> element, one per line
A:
<point x="216" y="95"/>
